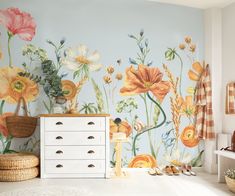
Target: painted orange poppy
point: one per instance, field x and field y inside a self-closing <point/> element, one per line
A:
<point x="123" y="127"/>
<point x="143" y="80"/>
<point x="143" y="161"/>
<point x="14" y="86"/>
<point x="196" y="72"/>
<point x="3" y="126"/>
<point x="188" y="137"/>
<point x="69" y="89"/>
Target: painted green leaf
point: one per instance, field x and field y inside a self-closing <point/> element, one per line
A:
<point x="7" y="148"/>
<point x="156" y="115"/>
<point x="197" y="161"/>
<point x="1" y="136"/>
<point x="9" y="151"/>
<point x="47" y="108"/>
<point x="99" y="97"/>
<point x="170" y="54"/>
<point x="1" y="106"/>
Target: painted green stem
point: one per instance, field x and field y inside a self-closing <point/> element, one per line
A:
<point x="154" y="127"/>
<point x="106" y="98"/>
<point x="1" y="107"/>
<point x="9" y="49"/>
<point x="148" y="124"/>
<point x="181" y="72"/>
<point x="3" y="144"/>
<point x="146" y="108"/>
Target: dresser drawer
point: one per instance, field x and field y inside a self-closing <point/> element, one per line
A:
<point x="74" y="166"/>
<point x="74" y="124"/>
<point x="74" y="152"/>
<point x="74" y="138"/>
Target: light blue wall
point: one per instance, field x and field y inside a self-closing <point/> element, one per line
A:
<point x="104" y="25"/>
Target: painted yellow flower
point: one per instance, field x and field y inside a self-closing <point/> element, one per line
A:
<point x="14" y="86"/>
<point x="196" y="72"/>
<point x="79" y="58"/>
<point x="190" y="90"/>
<point x="188" y="137"/>
<point x="188" y="108"/>
<point x="143" y="161"/>
<point x="69" y="89"/>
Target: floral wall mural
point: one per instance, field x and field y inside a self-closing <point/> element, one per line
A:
<point x="152" y="102"/>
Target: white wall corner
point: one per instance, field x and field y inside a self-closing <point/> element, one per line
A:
<point x="228" y="39"/>
<point x="213" y="56"/>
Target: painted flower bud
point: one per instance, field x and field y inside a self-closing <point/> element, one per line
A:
<point x="188" y="39"/>
<point x="107" y="79"/>
<point x="182" y="46"/>
<point x="132" y="36"/>
<point x="132" y="61"/>
<point x="119" y="76"/>
<point x="62" y="41"/>
<point x="150" y="63"/>
<point x="110" y="69"/>
<point x="117" y="121"/>
<point x="141" y="48"/>
<point x="141" y="32"/>
<point x="191" y="90"/>
<point x="49" y="41"/>
<point x="119" y="61"/>
<point x="146" y="42"/>
<point x="192" y="47"/>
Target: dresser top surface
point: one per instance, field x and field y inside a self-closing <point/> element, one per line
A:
<point x="74" y="115"/>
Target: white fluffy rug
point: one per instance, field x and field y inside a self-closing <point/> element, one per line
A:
<point x="49" y="191"/>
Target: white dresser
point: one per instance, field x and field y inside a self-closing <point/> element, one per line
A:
<point x="74" y="146"/>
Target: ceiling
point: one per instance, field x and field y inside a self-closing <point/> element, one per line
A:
<point x="203" y="4"/>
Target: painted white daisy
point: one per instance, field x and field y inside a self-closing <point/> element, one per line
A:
<point x="81" y="61"/>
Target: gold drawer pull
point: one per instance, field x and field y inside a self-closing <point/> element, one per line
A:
<point x="59" y="166"/>
<point x="91" y="152"/>
<point x="91" y="166"/>
<point x="91" y="123"/>
<point x="59" y="152"/>
<point x="91" y="137"/>
<point x="59" y="123"/>
<point x="59" y="138"/>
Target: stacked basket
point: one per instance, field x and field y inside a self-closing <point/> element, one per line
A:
<point x="18" y="167"/>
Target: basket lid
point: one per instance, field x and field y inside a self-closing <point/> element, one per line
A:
<point x="17" y="157"/>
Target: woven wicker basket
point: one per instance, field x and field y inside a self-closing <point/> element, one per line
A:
<point x="18" y="174"/>
<point x="231" y="183"/>
<point x="18" y="161"/>
<point x="21" y="126"/>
